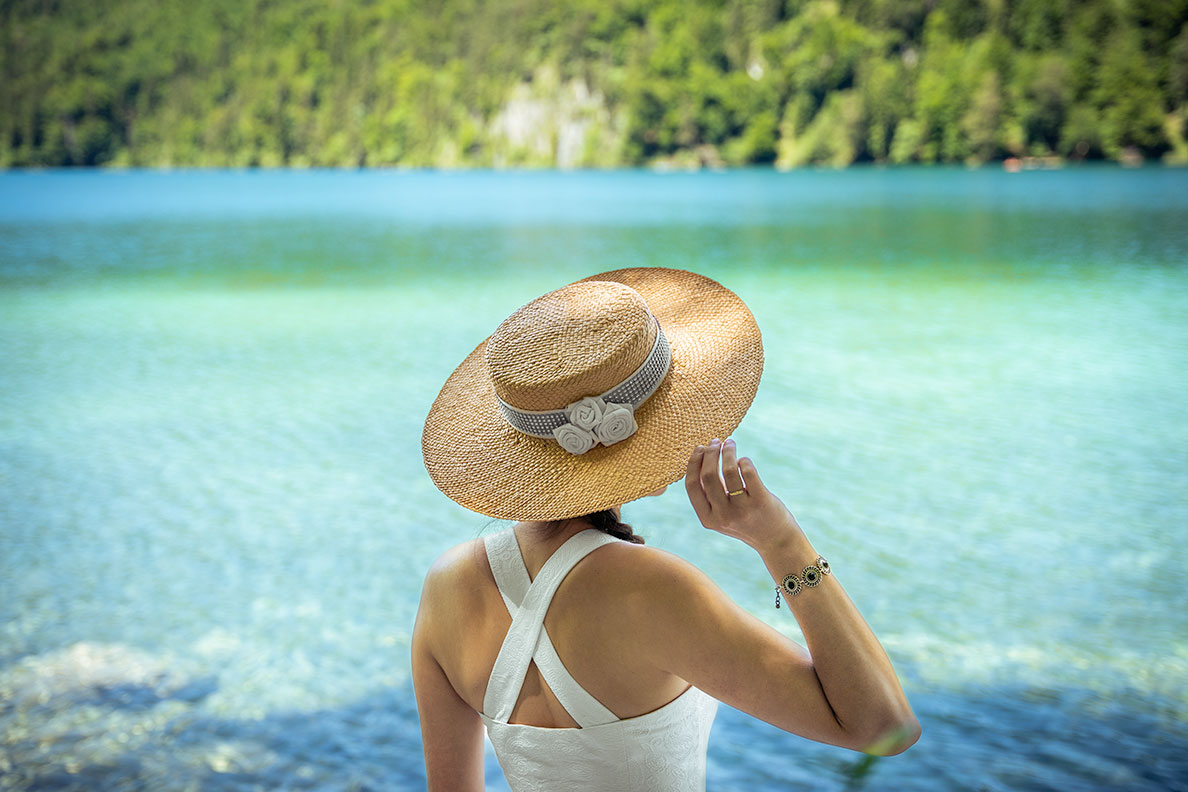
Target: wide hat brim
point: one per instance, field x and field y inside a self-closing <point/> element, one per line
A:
<point x="478" y="460"/>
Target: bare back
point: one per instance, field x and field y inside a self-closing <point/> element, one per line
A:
<point x="591" y="622"/>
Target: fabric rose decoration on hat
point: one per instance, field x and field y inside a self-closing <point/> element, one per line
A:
<point x="574" y="439"/>
<point x="586" y="413"/>
<point x="618" y="423"/>
<point x="593" y="421"/>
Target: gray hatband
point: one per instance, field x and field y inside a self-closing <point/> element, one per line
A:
<point x="633" y="391"/>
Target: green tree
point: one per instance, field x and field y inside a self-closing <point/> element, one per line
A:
<point x="1178" y="68"/>
<point x="1129" y="99"/>
<point x="884" y="88"/>
<point x="942" y="95"/>
<point x="1046" y="100"/>
<point x="982" y="122"/>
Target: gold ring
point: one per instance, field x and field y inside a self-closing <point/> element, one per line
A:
<point x="736" y="492"/>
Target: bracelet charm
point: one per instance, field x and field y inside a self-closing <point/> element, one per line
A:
<point x="812" y="575"/>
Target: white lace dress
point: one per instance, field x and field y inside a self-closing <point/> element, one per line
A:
<point x="662" y="751"/>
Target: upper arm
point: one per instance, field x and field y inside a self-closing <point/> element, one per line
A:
<point x="696" y="632"/>
<point x="451" y="731"/>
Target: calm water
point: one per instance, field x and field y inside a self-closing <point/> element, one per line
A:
<point x="214" y="520"/>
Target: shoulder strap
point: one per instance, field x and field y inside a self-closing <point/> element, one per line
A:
<point x="526" y="638"/>
<point x="507" y="564"/>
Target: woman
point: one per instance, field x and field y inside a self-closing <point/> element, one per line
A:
<point x="594" y="662"/>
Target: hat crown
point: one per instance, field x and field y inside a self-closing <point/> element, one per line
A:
<point x="581" y="340"/>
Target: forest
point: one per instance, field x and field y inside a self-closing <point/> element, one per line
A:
<point x="589" y="83"/>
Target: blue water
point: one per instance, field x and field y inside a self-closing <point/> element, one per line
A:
<point x="214" y="520"/>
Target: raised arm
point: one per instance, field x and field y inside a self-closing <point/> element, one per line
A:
<point x="843" y="691"/>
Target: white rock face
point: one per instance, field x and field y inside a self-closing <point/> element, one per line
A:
<point x="524" y="122"/>
<point x="550" y="123"/>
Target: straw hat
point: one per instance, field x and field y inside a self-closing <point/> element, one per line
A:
<point x="612" y="381"/>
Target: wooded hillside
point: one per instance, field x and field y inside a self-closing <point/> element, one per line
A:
<point x="588" y="83"/>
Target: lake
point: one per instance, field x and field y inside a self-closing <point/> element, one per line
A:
<point x="214" y="519"/>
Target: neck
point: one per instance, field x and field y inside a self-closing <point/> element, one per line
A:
<point x="555" y="532"/>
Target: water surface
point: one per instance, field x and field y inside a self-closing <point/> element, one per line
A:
<point x="214" y="520"/>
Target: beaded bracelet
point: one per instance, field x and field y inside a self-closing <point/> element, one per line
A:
<point x="813" y="574"/>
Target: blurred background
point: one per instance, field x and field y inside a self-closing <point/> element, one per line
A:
<point x="217" y="353"/>
<point x="578" y="83"/>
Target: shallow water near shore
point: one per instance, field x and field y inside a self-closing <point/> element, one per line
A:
<point x="214" y="520"/>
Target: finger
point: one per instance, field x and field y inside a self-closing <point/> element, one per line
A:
<point x="711" y="479"/>
<point x="751" y="476"/>
<point x="730" y="474"/>
<point x="693" y="485"/>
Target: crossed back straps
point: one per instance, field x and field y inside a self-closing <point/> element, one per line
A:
<point x="528" y="601"/>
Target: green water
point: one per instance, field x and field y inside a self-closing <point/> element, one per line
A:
<point x="214" y="520"/>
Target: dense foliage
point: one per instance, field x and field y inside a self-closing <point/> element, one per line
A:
<point x="588" y="82"/>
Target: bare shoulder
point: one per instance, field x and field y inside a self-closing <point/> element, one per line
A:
<point x="457" y="566"/>
<point x="648" y="603"/>
<point x="643" y="570"/>
<point x="455" y="574"/>
<point x="443" y="612"/>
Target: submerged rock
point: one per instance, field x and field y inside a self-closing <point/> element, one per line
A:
<point x="102" y="674"/>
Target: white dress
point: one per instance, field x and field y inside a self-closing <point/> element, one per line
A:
<point x="662" y="751"/>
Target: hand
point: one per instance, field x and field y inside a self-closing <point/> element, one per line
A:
<point x="754" y="515"/>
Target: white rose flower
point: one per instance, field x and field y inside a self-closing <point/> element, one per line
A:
<point x="574" y="439"/>
<point x="586" y="413"/>
<point x="618" y="423"/>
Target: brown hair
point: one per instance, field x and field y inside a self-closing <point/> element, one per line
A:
<point x="608" y="523"/>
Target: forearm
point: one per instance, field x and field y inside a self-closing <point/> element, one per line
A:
<point x="855" y="674"/>
<point x="850" y="666"/>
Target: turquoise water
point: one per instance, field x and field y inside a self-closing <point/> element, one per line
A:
<point x="214" y="520"/>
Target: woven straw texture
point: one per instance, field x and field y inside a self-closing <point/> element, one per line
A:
<point x="566" y="339"/>
<point x="578" y="341"/>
